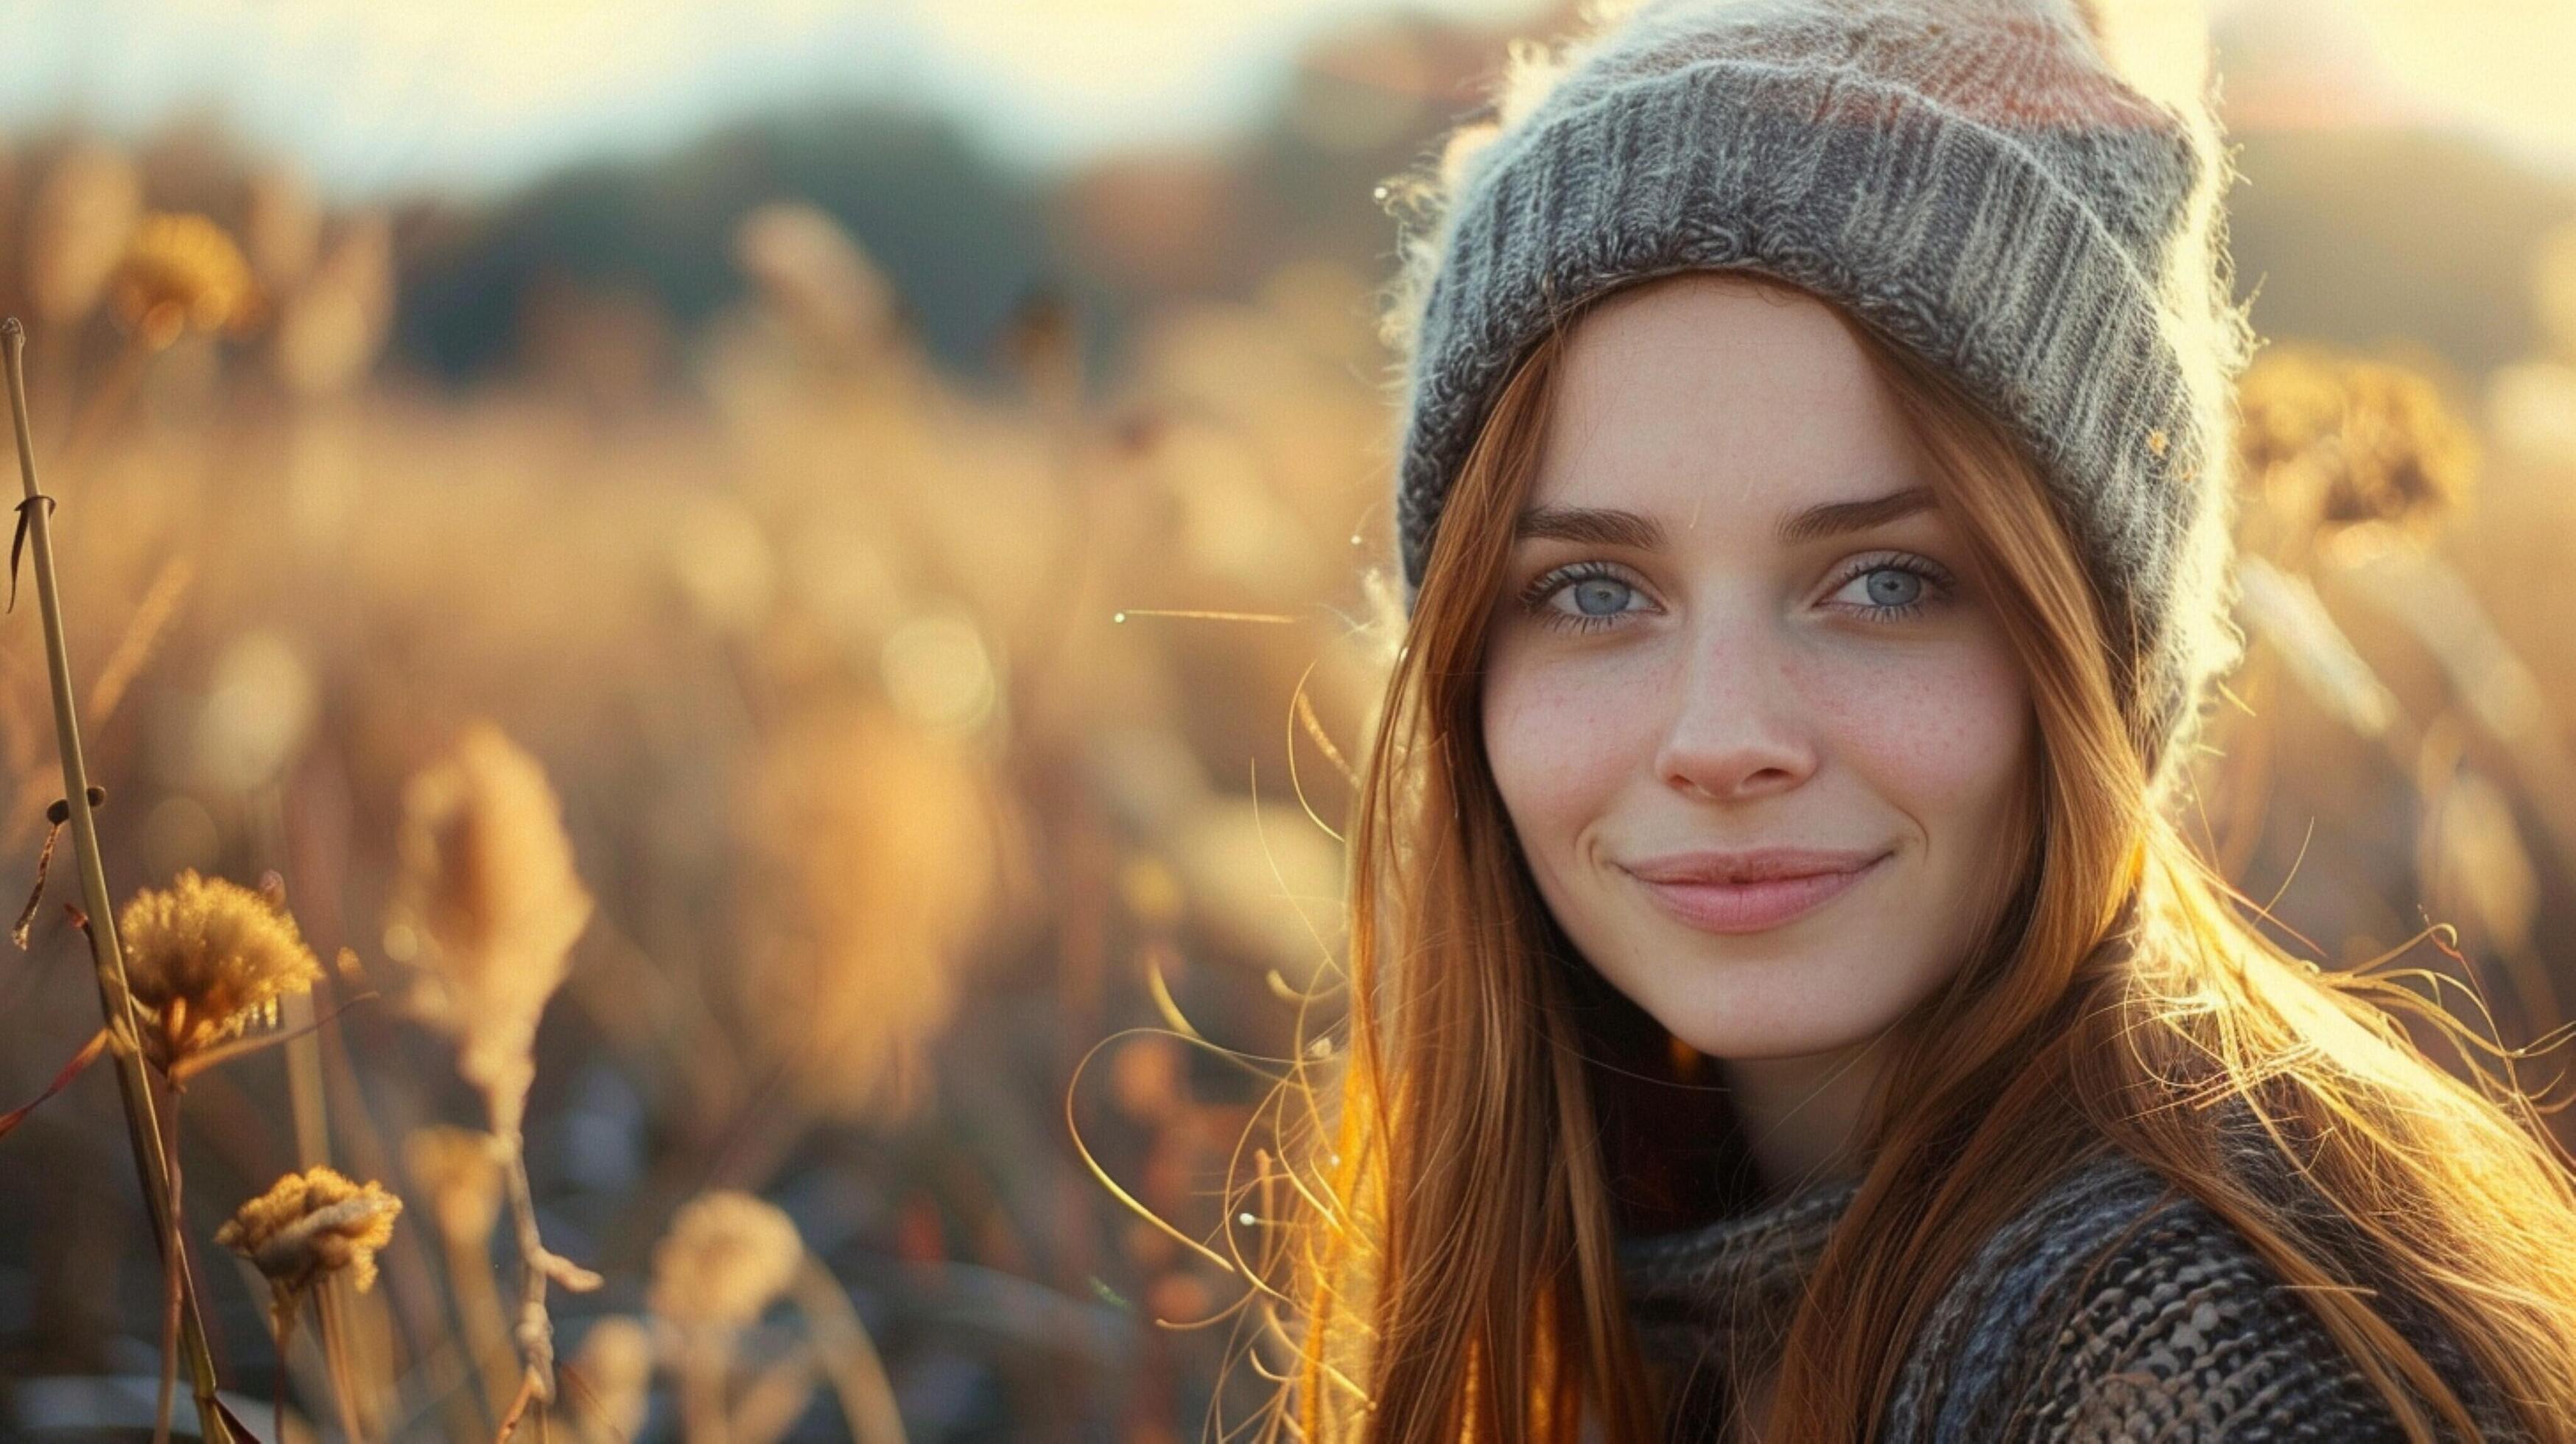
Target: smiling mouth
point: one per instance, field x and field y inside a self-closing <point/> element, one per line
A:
<point x="1755" y="906"/>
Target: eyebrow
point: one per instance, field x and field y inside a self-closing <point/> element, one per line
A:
<point x="1608" y="526"/>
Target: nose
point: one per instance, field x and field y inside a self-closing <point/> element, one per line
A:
<point x="1738" y="729"/>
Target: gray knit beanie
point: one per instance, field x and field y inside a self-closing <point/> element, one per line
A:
<point x="1975" y="180"/>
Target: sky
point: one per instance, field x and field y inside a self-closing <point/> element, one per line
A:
<point x="377" y="96"/>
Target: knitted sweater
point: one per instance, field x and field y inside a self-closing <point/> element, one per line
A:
<point x="2181" y="1333"/>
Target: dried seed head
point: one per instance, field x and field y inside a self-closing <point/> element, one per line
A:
<point x="489" y="904"/>
<point x="457" y="1169"/>
<point x="880" y="844"/>
<point x="308" y="1225"/>
<point x="2341" y="439"/>
<point x="207" y="958"/>
<point x="727" y="1257"/>
<point x="182" y="271"/>
<point x="615" y="1365"/>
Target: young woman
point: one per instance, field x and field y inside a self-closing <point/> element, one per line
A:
<point x="1781" y="1005"/>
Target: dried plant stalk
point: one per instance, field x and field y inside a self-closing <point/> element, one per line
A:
<point x="849" y="1357"/>
<point x="461" y="1172"/>
<point x="115" y="997"/>
<point x="727" y="1258"/>
<point x="612" y="1378"/>
<point x="307" y="1227"/>
<point x="489" y="905"/>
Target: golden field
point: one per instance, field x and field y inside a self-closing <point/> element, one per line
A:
<point x="773" y="830"/>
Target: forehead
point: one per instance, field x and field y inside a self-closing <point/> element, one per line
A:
<point x="1707" y="393"/>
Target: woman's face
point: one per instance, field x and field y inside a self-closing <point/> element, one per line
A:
<point x="1733" y="625"/>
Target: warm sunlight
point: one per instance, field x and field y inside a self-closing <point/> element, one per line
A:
<point x="920" y="721"/>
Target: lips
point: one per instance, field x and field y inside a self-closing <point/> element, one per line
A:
<point x="1752" y="891"/>
<point x="1763" y="865"/>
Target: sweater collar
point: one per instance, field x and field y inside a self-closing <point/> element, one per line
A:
<point x="1734" y="1282"/>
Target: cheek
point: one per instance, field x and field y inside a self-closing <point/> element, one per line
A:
<point x="1939" y="732"/>
<point x="1561" y="740"/>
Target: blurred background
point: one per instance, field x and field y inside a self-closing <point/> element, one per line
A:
<point x="895" y="492"/>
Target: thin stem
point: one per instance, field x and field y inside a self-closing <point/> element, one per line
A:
<point x="518" y="1409"/>
<point x="535" y="1331"/>
<point x="115" y="996"/>
<point x="330" y="1325"/>
<point x="285" y="1316"/>
<point x="172" y="1290"/>
<point x="703" y="1366"/>
<point x="849" y="1357"/>
<point x="486" y="1322"/>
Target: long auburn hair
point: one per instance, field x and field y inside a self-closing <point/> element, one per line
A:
<point x="1451" y="1240"/>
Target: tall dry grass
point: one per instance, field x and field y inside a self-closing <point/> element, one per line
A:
<point x="744" y="812"/>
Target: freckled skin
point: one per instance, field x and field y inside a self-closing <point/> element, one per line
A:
<point x="1739" y="697"/>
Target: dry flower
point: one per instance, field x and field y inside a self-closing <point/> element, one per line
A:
<point x="308" y="1225"/>
<point x="2338" y="439"/>
<point x="489" y="903"/>
<point x="727" y="1258"/>
<point x="880" y="843"/>
<point x="208" y="957"/>
<point x="182" y="271"/>
<point x="615" y="1367"/>
<point x="458" y="1169"/>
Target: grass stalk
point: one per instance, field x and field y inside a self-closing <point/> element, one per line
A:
<point x="172" y="1289"/>
<point x="849" y="1356"/>
<point x="329" y="1329"/>
<point x="284" y="1320"/>
<point x="702" y="1367"/>
<point x="116" y="1000"/>
<point x="535" y="1329"/>
<point x="485" y="1321"/>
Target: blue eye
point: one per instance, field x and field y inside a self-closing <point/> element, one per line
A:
<point x="1888" y="587"/>
<point x="1892" y="587"/>
<point x="1599" y="595"/>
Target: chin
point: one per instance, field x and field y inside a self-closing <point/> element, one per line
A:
<point x="1775" y="1008"/>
